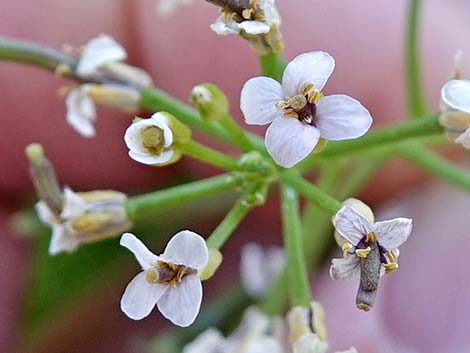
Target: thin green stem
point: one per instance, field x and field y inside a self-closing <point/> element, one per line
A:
<point x="311" y="192"/>
<point x="272" y="65"/>
<point x="236" y="132"/>
<point x="416" y="104"/>
<point x="435" y="164"/>
<point x="209" y="155"/>
<point x="296" y="267"/>
<point x="137" y="206"/>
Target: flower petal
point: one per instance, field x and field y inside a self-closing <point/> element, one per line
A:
<point x="44" y="213"/>
<point x="351" y="225"/>
<point x="140" y="297"/>
<point x="464" y="139"/>
<point x="99" y="51"/>
<point x="309" y="343"/>
<point x="181" y="304"/>
<point x="254" y="27"/>
<point x="263" y="344"/>
<point x="456" y="94"/>
<point x="340" y="117"/>
<point x="345" y="268"/>
<point x="207" y="342"/>
<point x="258" y="100"/>
<point x="62" y="240"/>
<point x="74" y="205"/>
<point x="152" y="159"/>
<point x="81" y="111"/>
<point x="314" y="67"/>
<point x="143" y="255"/>
<point x="187" y="248"/>
<point x="133" y="137"/>
<point x="222" y="28"/>
<point x="289" y="141"/>
<point x="391" y="234"/>
<point x="350" y="350"/>
<point x="161" y="121"/>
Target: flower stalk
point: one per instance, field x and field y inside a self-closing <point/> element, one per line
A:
<point x="209" y="155"/>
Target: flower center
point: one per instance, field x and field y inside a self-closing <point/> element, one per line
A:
<point x="302" y="106"/>
<point x="153" y="139"/>
<point x="167" y="273"/>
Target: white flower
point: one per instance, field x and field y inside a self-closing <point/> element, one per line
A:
<point x="360" y="235"/>
<point x="153" y="141"/>
<point x="81" y="104"/>
<point x="85" y="217"/>
<point x="209" y="341"/>
<point x="298" y="112"/>
<point x="257" y="20"/>
<point x="455" y="116"/>
<point x="259" y="267"/>
<point x="170" y="281"/>
<point x="168" y="7"/>
<point x="99" y="51"/>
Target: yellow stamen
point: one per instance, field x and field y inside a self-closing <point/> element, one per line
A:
<point x="370" y="237"/>
<point x="363" y="252"/>
<point x="346" y="247"/>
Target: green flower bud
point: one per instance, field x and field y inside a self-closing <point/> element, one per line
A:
<point x="210" y="102"/>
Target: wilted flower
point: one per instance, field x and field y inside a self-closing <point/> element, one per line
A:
<point x="167" y="7"/>
<point x="370" y="249"/>
<point x="81" y="104"/>
<point x="298" y="112"/>
<point x="259" y="267"/>
<point x="170" y="281"/>
<point x="455" y="107"/>
<point x="85" y="217"/>
<point x="155" y="141"/>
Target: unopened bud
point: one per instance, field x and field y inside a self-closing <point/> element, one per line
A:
<point x="215" y="259"/>
<point x="210" y="102"/>
<point x="131" y="75"/>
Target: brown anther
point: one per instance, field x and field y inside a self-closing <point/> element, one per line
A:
<point x="247" y="14"/>
<point x="370" y="237"/>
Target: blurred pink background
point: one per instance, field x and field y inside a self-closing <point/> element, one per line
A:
<point x="422" y="308"/>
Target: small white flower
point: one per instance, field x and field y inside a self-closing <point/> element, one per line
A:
<point x="81" y="104"/>
<point x="455" y="107"/>
<point x="99" y="51"/>
<point x="168" y="7"/>
<point x="309" y="343"/>
<point x="152" y="141"/>
<point x="258" y="20"/>
<point x="259" y="267"/>
<point x="85" y="217"/>
<point x="209" y="341"/>
<point x="170" y="281"/>
<point x="298" y="112"/>
<point x="359" y="234"/>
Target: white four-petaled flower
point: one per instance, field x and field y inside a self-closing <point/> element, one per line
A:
<point x="455" y="106"/>
<point x="358" y="233"/>
<point x="170" y="281"/>
<point x="298" y="112"/>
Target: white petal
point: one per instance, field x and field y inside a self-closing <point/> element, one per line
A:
<point x="209" y="341"/>
<point x="289" y="141"/>
<point x="254" y="27"/>
<point x="345" y="268"/>
<point x="350" y="350"/>
<point x="45" y="214"/>
<point x="143" y="255"/>
<point x="187" y="248"/>
<point x="263" y="344"/>
<point x="140" y="297"/>
<point x="133" y="138"/>
<point x="181" y="304"/>
<point x="391" y="234"/>
<point x="99" y="51"/>
<point x="314" y="67"/>
<point x="81" y="111"/>
<point x="74" y="205"/>
<point x="62" y="240"/>
<point x="456" y="94"/>
<point x="151" y="159"/>
<point x="161" y="121"/>
<point x="221" y="28"/>
<point x="340" y="117"/>
<point x="464" y="139"/>
<point x="258" y="100"/>
<point x="350" y="224"/>
<point x="309" y="343"/>
<point x="252" y="270"/>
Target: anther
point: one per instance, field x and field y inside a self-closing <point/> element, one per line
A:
<point x="363" y="252"/>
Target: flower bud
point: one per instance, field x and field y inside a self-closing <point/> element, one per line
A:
<point x="210" y="102"/>
<point x="215" y="260"/>
<point x="131" y="75"/>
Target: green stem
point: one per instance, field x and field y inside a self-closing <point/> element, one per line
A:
<point x="236" y="132"/>
<point x="311" y="192"/>
<point x="137" y="206"/>
<point x="272" y="65"/>
<point x="296" y="267"/>
<point x="416" y="104"/>
<point x="228" y="225"/>
<point x="435" y="164"/>
<point x="209" y="155"/>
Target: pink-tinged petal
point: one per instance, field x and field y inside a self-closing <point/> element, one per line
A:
<point x="456" y="95"/>
<point x="346" y="268"/>
<point x="391" y="234"/>
<point x="140" y="297"/>
<point x="351" y="224"/>
<point x="181" y="304"/>
<point x="187" y="248"/>
<point x="254" y="27"/>
<point x="314" y="67"/>
<point x="289" y="141"/>
<point x="340" y="117"/>
<point x="143" y="255"/>
<point x="258" y="100"/>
